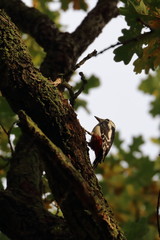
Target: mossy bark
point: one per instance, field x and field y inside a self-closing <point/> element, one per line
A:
<point x="59" y="142"/>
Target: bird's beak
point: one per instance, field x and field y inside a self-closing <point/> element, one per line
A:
<point x="98" y="119"/>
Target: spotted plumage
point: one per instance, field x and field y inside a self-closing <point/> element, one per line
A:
<point x="102" y="139"/>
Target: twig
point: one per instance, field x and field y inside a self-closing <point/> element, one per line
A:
<point x="73" y="95"/>
<point x="158" y="217"/>
<point x="95" y="53"/>
<point x="8" y="133"/>
<point x="111" y="46"/>
<point x="69" y="88"/>
<point x="78" y="65"/>
<point x="76" y="94"/>
<point x="89" y="56"/>
<point x="134" y="39"/>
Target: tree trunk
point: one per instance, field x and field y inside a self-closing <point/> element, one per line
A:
<point x="52" y="138"/>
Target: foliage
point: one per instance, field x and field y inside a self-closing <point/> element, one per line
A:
<point x="8" y="128"/>
<point x="35" y="50"/>
<point x="129" y="184"/>
<point x="77" y="4"/>
<point x="92" y="82"/>
<point x="3" y="237"/>
<point x="142" y="37"/>
<point x="129" y="177"/>
<point x="151" y="86"/>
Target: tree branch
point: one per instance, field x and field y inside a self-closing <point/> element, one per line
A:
<point x="93" y="24"/>
<point x="21" y="206"/>
<point x="32" y="21"/>
<point x="25" y="221"/>
<point x="61" y="170"/>
<point x="25" y="88"/>
<point x="63" y="49"/>
<point x="58" y="46"/>
<point x="24" y="176"/>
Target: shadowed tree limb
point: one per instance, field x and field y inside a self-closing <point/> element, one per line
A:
<point x="32" y="21"/>
<point x="93" y="23"/>
<point x="23" y="215"/>
<point x="25" y="88"/>
<point x="62" y="48"/>
<point x="24" y="176"/>
<point x="59" y="167"/>
<point x="25" y="221"/>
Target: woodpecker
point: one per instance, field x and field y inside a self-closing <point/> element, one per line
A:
<point x="102" y="139"/>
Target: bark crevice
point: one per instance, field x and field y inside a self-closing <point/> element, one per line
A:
<point x="53" y="125"/>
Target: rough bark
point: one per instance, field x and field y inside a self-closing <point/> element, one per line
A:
<point x="25" y="221"/>
<point x="62" y="49"/>
<point x="61" y="145"/>
<point x="23" y="215"/>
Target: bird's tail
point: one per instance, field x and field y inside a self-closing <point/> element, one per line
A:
<point x="97" y="160"/>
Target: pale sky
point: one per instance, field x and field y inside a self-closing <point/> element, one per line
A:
<point x="118" y="98"/>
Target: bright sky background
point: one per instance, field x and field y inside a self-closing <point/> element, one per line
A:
<point x="118" y="98"/>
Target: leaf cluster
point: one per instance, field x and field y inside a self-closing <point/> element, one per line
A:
<point x="129" y="178"/>
<point x="129" y="181"/>
<point x="142" y="36"/>
<point x="151" y="86"/>
<point x="8" y="130"/>
<point x="77" y="4"/>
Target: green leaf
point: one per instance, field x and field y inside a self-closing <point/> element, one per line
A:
<point x="44" y="6"/>
<point x="153" y="3"/>
<point x="155" y="109"/>
<point x="35" y="50"/>
<point x="129" y="48"/>
<point x="136" y="230"/>
<point x="143" y="171"/>
<point x="7" y="116"/>
<point x="156" y="140"/>
<point x="136" y="144"/>
<point x="77" y="4"/>
<point x="118" y="141"/>
<point x="83" y="5"/>
<point x="92" y="82"/>
<point x="124" y="54"/>
<point x="151" y="86"/>
<point x="140" y="7"/>
<point x="140" y="15"/>
<point x="64" y="4"/>
<point x="81" y="103"/>
<point x="3" y="237"/>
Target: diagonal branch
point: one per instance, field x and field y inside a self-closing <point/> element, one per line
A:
<point x="93" y="24"/>
<point x="63" y="49"/>
<point x="31" y="21"/>
<point x="60" y="169"/>
<point x="24" y="175"/>
<point x="21" y="206"/>
<point x="25" y="88"/>
<point x="25" y="221"/>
